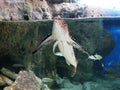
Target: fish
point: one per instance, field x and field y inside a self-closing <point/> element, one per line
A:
<point x="61" y="38"/>
<point x="95" y="57"/>
<point x="46" y="80"/>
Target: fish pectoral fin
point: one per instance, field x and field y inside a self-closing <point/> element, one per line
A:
<point x="45" y="42"/>
<point x="54" y="46"/>
<point x="58" y="54"/>
<point x="74" y="44"/>
<point x="78" y="46"/>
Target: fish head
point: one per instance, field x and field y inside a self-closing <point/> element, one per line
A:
<point x="60" y="24"/>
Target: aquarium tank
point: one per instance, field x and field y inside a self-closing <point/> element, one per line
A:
<point x="59" y="45"/>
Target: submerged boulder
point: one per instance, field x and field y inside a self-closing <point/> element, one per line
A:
<point x="25" y="81"/>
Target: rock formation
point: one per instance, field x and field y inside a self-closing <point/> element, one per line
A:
<point x="27" y="81"/>
<point x="24" y="10"/>
<point x="42" y="9"/>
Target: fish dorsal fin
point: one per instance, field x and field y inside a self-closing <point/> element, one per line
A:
<point x="44" y="42"/>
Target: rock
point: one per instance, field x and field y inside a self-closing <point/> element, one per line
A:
<point x="36" y="16"/>
<point x="97" y="84"/>
<point x="93" y="86"/>
<point x="67" y="85"/>
<point x="102" y="84"/>
<point x="9" y="73"/>
<point x="59" y="80"/>
<point x="47" y="9"/>
<point x="75" y="87"/>
<point x="77" y="10"/>
<point x="93" y="12"/>
<point x="5" y="80"/>
<point x="24" y="10"/>
<point x="25" y="81"/>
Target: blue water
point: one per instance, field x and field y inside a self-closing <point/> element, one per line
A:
<point x="113" y="59"/>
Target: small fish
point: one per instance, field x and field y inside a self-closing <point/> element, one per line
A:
<point x="46" y="80"/>
<point x="61" y="38"/>
<point x="95" y="57"/>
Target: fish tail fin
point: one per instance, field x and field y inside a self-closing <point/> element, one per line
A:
<point x="74" y="69"/>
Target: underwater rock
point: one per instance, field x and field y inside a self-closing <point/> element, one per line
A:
<point x="9" y="73"/>
<point x="67" y="85"/>
<point x="5" y="80"/>
<point x="93" y="86"/>
<point x="25" y="81"/>
<point x="97" y="84"/>
<point x="102" y="84"/>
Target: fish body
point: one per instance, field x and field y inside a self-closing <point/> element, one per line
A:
<point x="61" y="36"/>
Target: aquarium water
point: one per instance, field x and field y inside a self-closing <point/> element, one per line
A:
<point x="113" y="27"/>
